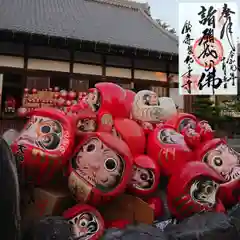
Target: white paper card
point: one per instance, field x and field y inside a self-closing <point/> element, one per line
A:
<point x="208" y="48"/>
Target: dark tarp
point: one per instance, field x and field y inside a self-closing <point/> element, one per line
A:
<point x="205" y="226"/>
<point x="138" y="232"/>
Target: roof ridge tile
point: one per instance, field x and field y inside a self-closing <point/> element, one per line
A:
<point x="119" y="3"/>
<point x="165" y="32"/>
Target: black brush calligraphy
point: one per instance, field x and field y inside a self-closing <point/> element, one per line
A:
<point x="20" y="153"/>
<point x="187" y="27"/>
<point x="226" y="16"/>
<point x="186" y="30"/>
<point x="232" y="62"/>
<point x="209" y="79"/>
<point x="207" y="36"/>
<point x="208" y="51"/>
<point x="208" y="16"/>
<point x="207" y="40"/>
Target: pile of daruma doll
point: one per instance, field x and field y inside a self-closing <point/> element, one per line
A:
<point x="114" y="141"/>
<point x="51" y="97"/>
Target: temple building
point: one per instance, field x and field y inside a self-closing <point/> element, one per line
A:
<point x="74" y="44"/>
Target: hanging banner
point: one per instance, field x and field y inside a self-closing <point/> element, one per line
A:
<point x="208" y="48"/>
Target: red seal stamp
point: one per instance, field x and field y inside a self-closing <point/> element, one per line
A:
<point x="190" y="84"/>
<point x="207" y="51"/>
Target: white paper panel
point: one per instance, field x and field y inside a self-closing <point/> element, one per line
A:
<point x="11" y="61"/>
<point x="48" y="65"/>
<point x="118" y="72"/>
<point x="87" y="69"/>
<point x="149" y="75"/>
<point x="208" y="36"/>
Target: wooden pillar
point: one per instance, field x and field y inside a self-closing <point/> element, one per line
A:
<point x="103" y="66"/>
<point x="25" y="64"/>
<point x="168" y="79"/>
<point x="132" y="73"/>
<point x="71" y="66"/>
<point x="188" y="103"/>
<point x="216" y="101"/>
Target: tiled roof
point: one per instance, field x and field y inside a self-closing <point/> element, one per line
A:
<point x="116" y="22"/>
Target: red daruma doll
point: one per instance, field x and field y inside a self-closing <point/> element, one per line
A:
<point x="226" y="163"/>
<point x="181" y="120"/>
<point x="108" y="100"/>
<point x="100" y="169"/>
<point x="221" y="158"/>
<point x="168" y="148"/>
<point x="205" y="130"/>
<point x="86" y="222"/>
<point x="146" y="172"/>
<point x="108" y="97"/>
<point x="194" y="188"/>
<point x="86" y="121"/>
<point x="130" y="95"/>
<point x="187" y="123"/>
<point x="131" y="133"/>
<point x="45" y="144"/>
<point x="146" y="176"/>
